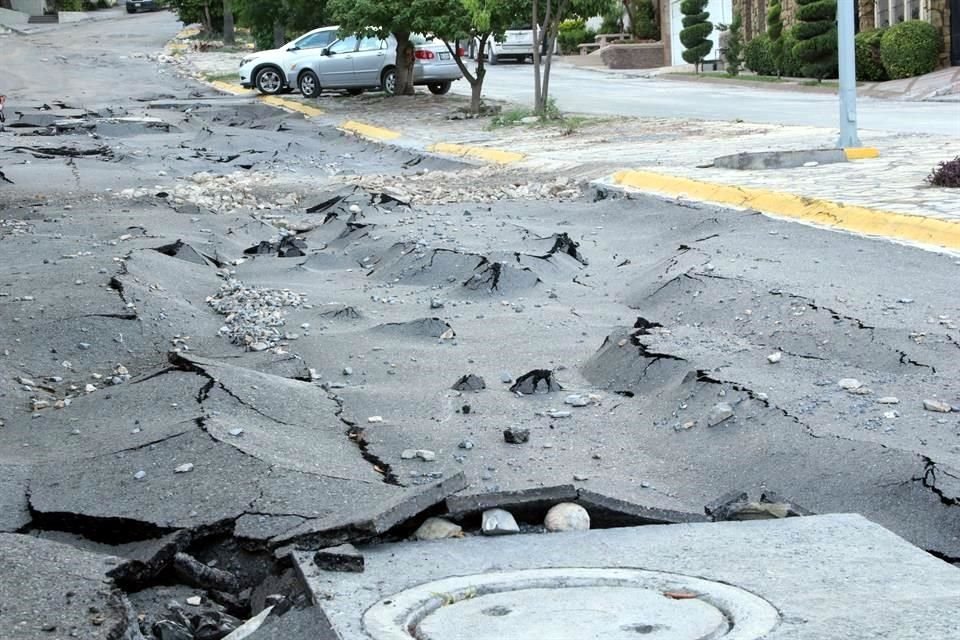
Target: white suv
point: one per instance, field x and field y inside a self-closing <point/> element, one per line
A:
<point x="267" y="71"/>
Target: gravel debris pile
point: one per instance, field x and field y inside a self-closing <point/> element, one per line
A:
<point x="254" y="314"/>
<point x="482" y="184"/>
<point x="218" y="193"/>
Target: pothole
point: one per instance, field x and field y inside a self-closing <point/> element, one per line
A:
<point x="572" y="604"/>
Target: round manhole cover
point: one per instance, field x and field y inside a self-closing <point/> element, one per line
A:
<point x="571" y="604"/>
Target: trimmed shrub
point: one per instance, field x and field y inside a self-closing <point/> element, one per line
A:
<point x="734" y="53"/>
<point x="571" y="34"/>
<point x="947" y="174"/>
<point x="696" y="31"/>
<point x="790" y="66"/>
<point x="757" y="56"/>
<point x="816" y="34"/>
<point x="910" y="48"/>
<point x="869" y="64"/>
<point x="775" y="33"/>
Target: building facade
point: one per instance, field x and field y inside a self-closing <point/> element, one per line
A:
<point x="871" y="14"/>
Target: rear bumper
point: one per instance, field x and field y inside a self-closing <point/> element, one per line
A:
<point x="430" y="76"/>
<point x="507" y="49"/>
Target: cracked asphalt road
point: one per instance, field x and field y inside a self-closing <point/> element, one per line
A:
<point x="162" y="373"/>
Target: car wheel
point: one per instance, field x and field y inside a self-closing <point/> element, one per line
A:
<point x="309" y="84"/>
<point x="131" y="10"/>
<point x="440" y="88"/>
<point x="388" y="81"/>
<point x="269" y="80"/>
<point x="491" y="57"/>
<point x="354" y="92"/>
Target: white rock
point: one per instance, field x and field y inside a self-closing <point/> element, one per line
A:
<point x="888" y="400"/>
<point x="775" y="357"/>
<point x="236" y="432"/>
<point x="424" y="454"/>
<point x="140" y="475"/>
<point x="26" y="382"/>
<point x="849" y="383"/>
<point x="721" y="411"/>
<point x="437" y="529"/>
<point x="937" y="406"/>
<point x="375" y="419"/>
<point x="498" y="522"/>
<point x="194" y="601"/>
<point x="559" y="414"/>
<point x="184" y="468"/>
<point x="567" y="516"/>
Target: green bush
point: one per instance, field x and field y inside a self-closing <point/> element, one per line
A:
<point x="790" y="65"/>
<point x="816" y="34"/>
<point x="910" y="48"/>
<point x="696" y="31"/>
<point x="643" y="16"/>
<point x="571" y="34"/>
<point x="869" y="65"/>
<point x="70" y="5"/>
<point x="757" y="56"/>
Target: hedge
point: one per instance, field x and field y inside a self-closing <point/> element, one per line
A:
<point x="869" y="65"/>
<point x="910" y="48"/>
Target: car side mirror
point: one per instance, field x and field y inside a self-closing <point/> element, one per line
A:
<point x="326" y="52"/>
<point x="293" y="48"/>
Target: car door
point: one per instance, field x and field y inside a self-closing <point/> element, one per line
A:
<point x="336" y="66"/>
<point x="368" y="61"/>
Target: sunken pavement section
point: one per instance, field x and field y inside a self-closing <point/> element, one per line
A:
<point x="232" y="338"/>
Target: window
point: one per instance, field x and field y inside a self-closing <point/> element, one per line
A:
<point x="315" y="40"/>
<point x="347" y="45"/>
<point x="371" y="44"/>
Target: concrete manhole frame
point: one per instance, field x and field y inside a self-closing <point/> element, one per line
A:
<point x="399" y="616"/>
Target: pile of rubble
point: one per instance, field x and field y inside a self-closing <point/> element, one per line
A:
<point x="481" y="184"/>
<point x="254" y="314"/>
<point x="217" y="193"/>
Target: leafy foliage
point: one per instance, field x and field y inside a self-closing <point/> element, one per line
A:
<point x="910" y="48"/>
<point x="775" y="34"/>
<point x="946" y="174"/>
<point x="696" y="31"/>
<point x="757" y="58"/>
<point x="734" y="52"/>
<point x="869" y="64"/>
<point x="572" y="33"/>
<point x="643" y="19"/>
<point x="816" y="34"/>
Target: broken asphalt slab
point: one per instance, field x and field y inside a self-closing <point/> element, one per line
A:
<point x="815" y="576"/>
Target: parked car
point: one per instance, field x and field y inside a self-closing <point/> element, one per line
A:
<point x="517" y="44"/>
<point x="135" y="6"/>
<point x="355" y="64"/>
<point x="267" y="70"/>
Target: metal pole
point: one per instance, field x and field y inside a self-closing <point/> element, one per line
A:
<point x="848" y="75"/>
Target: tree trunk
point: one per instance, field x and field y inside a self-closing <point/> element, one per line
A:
<point x="207" y="20"/>
<point x="536" y="57"/>
<point x="552" y="26"/>
<point x="279" y="34"/>
<point x="228" y="33"/>
<point x="404" y="63"/>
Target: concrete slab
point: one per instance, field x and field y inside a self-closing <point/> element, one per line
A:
<point x="836" y="576"/>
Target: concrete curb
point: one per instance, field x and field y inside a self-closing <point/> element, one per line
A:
<point x="374" y="132"/>
<point x="930" y="232"/>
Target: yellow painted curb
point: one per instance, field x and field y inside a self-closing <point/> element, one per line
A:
<point x="898" y="226"/>
<point x="227" y="87"/>
<point x="483" y="153"/>
<point x="861" y="153"/>
<point x="369" y="131"/>
<point x="293" y="105"/>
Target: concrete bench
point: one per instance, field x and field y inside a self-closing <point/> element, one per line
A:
<point x="603" y="39"/>
<point x="588" y="48"/>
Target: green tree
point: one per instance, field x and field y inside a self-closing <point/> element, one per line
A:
<point x="816" y="34"/>
<point x="482" y="19"/>
<point x="399" y="18"/>
<point x="643" y="19"/>
<point x="229" y="37"/>
<point x="208" y="13"/>
<point x="775" y="33"/>
<point x="734" y="52"/>
<point x="695" y="35"/>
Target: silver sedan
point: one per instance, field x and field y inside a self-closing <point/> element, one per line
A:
<point x="356" y="64"/>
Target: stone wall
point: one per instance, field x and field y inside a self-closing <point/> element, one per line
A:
<point x="633" y="56"/>
<point x="938" y="13"/>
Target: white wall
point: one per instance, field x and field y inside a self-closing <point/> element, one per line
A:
<point x="30" y="7"/>
<point x="721" y="12"/>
